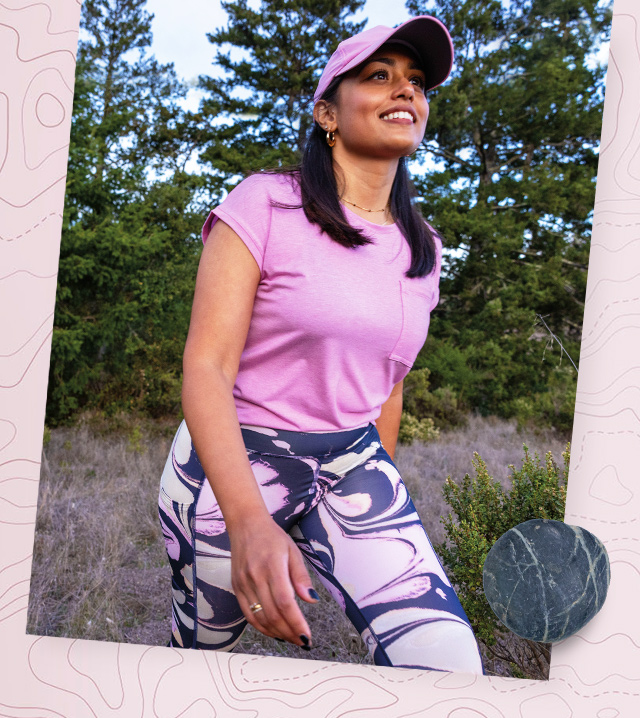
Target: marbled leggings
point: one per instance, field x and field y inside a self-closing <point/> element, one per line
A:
<point x="340" y="497"/>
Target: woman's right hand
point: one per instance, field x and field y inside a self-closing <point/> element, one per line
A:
<point x="268" y="568"/>
<point x="266" y="565"/>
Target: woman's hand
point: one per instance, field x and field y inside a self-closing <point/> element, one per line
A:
<point x="267" y="568"/>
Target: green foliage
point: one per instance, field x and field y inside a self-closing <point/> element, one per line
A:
<point x="260" y="111"/>
<point x="441" y="406"/>
<point x="513" y="139"/>
<point x="130" y="243"/>
<point x="135" y="444"/>
<point x="553" y="407"/>
<point x="414" y="429"/>
<point x="449" y="365"/>
<point x="425" y="412"/>
<point x="481" y="512"/>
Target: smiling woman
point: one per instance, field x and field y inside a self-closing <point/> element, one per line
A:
<point x="312" y="301"/>
<point x="380" y="108"/>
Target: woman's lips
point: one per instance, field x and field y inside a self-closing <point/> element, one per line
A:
<point x="403" y="115"/>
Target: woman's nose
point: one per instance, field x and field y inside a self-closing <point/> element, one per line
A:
<point x="406" y="89"/>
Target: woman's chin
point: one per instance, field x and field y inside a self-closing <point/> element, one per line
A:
<point x="382" y="152"/>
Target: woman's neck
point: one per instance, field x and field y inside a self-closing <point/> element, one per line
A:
<point x="365" y="187"/>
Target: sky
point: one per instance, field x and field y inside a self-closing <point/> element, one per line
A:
<point x="180" y="33"/>
<point x="180" y="27"/>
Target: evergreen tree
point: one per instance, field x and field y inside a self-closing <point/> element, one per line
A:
<point x="126" y="267"/>
<point x="515" y="133"/>
<point x="260" y="111"/>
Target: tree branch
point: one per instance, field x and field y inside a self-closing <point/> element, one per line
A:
<point x="439" y="152"/>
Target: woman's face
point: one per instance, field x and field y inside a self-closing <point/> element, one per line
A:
<point x="381" y="109"/>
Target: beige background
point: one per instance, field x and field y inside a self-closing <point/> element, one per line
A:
<point x="595" y="674"/>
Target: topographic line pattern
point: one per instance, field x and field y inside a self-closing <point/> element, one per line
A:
<point x="594" y="674"/>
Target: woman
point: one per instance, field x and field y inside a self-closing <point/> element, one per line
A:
<point x="312" y="301"/>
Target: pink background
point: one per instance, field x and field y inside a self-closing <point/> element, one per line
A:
<point x="594" y="674"/>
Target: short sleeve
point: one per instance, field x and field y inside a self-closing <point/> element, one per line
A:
<point x="436" y="271"/>
<point x="247" y="210"/>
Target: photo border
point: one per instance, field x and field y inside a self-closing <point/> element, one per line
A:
<point x="594" y="673"/>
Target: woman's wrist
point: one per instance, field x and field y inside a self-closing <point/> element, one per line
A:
<point x="247" y="517"/>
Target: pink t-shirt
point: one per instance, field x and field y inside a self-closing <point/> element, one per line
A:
<point x="333" y="329"/>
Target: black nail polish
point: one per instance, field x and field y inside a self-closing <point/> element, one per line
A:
<point x="306" y="648"/>
<point x="305" y="640"/>
<point x="280" y="639"/>
<point x="313" y="593"/>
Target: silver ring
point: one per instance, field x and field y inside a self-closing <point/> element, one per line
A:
<point x="255" y="607"/>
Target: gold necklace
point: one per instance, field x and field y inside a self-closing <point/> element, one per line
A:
<point x="364" y="209"/>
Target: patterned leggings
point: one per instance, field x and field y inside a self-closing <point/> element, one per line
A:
<point x="341" y="499"/>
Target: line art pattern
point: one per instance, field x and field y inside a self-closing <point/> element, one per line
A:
<point x="594" y="674"/>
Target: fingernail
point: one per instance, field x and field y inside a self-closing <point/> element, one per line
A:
<point x="306" y="648"/>
<point x="314" y="594"/>
<point x="280" y="639"/>
<point x="305" y="640"/>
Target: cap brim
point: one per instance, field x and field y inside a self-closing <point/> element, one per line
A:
<point x="432" y="43"/>
<point x="425" y="35"/>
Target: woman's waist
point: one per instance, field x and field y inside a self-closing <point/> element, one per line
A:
<point x="285" y="442"/>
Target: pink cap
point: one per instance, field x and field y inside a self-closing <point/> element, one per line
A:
<point x="428" y="37"/>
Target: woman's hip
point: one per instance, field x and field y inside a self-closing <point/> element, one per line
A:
<point x="289" y="467"/>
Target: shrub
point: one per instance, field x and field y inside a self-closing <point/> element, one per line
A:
<point x="451" y="366"/>
<point x="481" y="512"/>
<point x="513" y="374"/>
<point x="440" y="405"/>
<point x="554" y="407"/>
<point x="413" y="429"/>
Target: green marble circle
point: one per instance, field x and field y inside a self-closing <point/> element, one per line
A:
<point x="545" y="579"/>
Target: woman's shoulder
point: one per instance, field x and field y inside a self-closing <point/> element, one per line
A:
<point x="248" y="208"/>
<point x="278" y="187"/>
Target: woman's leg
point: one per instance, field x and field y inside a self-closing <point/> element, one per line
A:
<point x="182" y="490"/>
<point x="205" y="612"/>
<point x="367" y="544"/>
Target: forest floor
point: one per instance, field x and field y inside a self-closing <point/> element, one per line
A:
<point x="99" y="564"/>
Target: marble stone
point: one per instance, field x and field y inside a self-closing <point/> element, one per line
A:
<point x="545" y="579"/>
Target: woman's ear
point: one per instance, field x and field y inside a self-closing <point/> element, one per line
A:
<point x="324" y="114"/>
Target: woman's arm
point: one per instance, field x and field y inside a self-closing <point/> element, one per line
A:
<point x="267" y="567"/>
<point x="388" y="423"/>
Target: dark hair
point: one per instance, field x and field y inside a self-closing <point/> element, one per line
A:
<point x="321" y="202"/>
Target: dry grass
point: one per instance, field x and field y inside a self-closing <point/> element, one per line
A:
<point x="99" y="566"/>
<point x="425" y="467"/>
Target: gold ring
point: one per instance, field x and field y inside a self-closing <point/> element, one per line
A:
<point x="255" y="607"/>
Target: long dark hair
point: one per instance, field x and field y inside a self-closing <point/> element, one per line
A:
<point x="320" y="199"/>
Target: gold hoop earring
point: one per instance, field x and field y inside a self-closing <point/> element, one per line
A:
<point x="331" y="138"/>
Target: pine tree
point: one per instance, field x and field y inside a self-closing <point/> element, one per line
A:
<point x="260" y="111"/>
<point x="515" y="134"/>
<point x="126" y="265"/>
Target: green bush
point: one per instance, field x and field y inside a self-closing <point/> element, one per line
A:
<point x="413" y="429"/>
<point x="554" y="407"/>
<point x="481" y="512"/>
<point x="531" y="381"/>
<point x="441" y="405"/>
<point x="451" y="366"/>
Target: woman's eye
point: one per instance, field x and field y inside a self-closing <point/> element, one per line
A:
<point x="419" y="81"/>
<point x="380" y="74"/>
